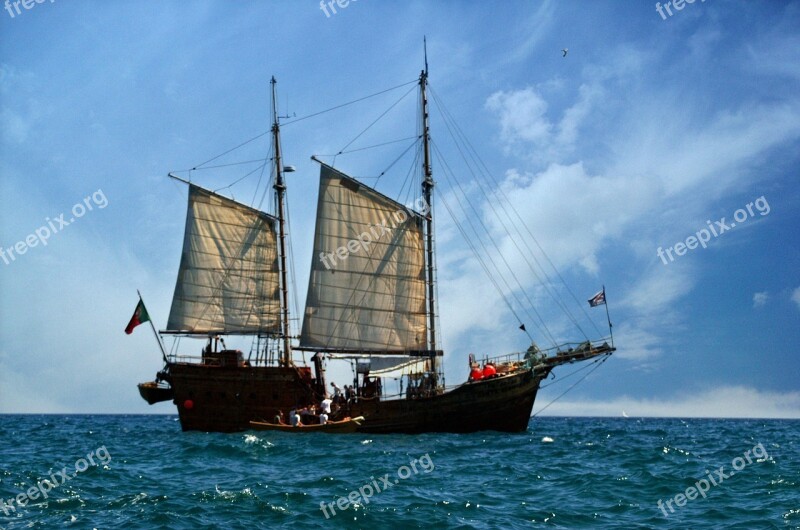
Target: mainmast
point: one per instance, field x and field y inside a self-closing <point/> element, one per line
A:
<point x="427" y="193"/>
<point x="280" y="190"/>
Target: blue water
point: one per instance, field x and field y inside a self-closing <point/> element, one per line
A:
<point x="595" y="473"/>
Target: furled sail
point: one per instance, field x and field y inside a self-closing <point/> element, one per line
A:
<point x="228" y="277"/>
<point x="386" y="365"/>
<point x="367" y="285"/>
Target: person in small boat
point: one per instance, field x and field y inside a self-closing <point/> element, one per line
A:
<point x="326" y="406"/>
<point x="323" y="418"/>
<point x="308" y="415"/>
<point x="279" y="418"/>
<point x="294" y="419"/>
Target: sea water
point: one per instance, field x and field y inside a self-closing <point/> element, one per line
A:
<point x="84" y="471"/>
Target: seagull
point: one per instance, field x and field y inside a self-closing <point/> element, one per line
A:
<point x="564" y="51"/>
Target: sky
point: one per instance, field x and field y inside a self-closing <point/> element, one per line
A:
<point x="619" y="156"/>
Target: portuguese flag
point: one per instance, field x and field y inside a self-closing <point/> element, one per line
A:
<point x="139" y="316"/>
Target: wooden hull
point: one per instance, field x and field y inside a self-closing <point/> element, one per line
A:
<point x="153" y="393"/>
<point x="228" y="398"/>
<point x="498" y="404"/>
<point x="343" y="426"/>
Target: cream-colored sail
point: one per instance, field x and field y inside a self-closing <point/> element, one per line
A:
<point x="367" y="285"/>
<point x="228" y="277"/>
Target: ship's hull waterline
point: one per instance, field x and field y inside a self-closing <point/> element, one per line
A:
<point x="226" y="399"/>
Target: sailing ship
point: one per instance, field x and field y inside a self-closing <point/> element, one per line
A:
<point x="371" y="302"/>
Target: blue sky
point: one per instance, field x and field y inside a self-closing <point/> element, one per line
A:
<point x="646" y="130"/>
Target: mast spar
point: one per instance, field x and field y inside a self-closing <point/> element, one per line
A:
<point x="427" y="193"/>
<point x="280" y="189"/>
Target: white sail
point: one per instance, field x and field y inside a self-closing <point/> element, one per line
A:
<point x="367" y="285"/>
<point x="228" y="277"/>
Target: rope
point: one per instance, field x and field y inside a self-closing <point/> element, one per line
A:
<point x="349" y="103"/>
<point x="376" y="120"/>
<point x="481" y="166"/>
<point x="601" y="361"/>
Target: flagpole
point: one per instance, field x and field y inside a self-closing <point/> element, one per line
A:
<point x="610" y="327"/>
<point x="158" y="338"/>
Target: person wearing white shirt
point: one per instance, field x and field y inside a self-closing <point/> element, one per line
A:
<point x="326" y="405"/>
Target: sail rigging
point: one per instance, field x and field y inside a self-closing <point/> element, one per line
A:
<point x="367" y="285"/>
<point x="372" y="301"/>
<point x="228" y="276"/>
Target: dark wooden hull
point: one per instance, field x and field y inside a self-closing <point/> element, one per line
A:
<point x="227" y="398"/>
<point x="154" y="393"/>
<point x="498" y="404"/>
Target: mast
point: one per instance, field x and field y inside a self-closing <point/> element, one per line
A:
<point x="280" y="189"/>
<point x="427" y="193"/>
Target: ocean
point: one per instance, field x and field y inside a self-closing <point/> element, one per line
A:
<point x="107" y="471"/>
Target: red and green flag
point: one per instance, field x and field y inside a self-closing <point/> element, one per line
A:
<point x="139" y="316"/>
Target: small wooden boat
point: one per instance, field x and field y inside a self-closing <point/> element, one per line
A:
<point x="154" y="392"/>
<point x="345" y="425"/>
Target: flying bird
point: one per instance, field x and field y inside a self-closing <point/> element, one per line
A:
<point x="564" y="51"/>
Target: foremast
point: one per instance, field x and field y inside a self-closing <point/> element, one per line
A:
<point x="280" y="191"/>
<point x="427" y="193"/>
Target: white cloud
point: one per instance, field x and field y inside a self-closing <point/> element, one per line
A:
<point x="722" y="402"/>
<point x="522" y="116"/>
<point x="659" y="288"/>
<point x="641" y="190"/>
<point x="796" y="296"/>
<point x="760" y="299"/>
<point x="525" y="126"/>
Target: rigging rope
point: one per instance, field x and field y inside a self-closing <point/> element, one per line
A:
<point x="256" y="137"/>
<point x="376" y="120"/>
<point x="597" y="364"/>
<point x="485" y="171"/>
<point x="261" y="167"/>
<point x="372" y="147"/>
<point x="450" y="124"/>
<point x="481" y="262"/>
<point x="543" y="329"/>
<point x="349" y="103"/>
